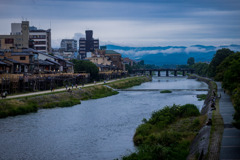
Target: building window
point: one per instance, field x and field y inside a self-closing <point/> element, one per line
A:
<point x="9" y="41"/>
<point x="40" y="42"/>
<point x="22" y="58"/>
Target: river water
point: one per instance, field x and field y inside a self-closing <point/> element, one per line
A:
<point x="96" y="129"/>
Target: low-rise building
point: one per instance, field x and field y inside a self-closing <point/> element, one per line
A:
<point x="18" y="62"/>
<point x="128" y="61"/>
<point x="19" y="37"/>
<point x="116" y="59"/>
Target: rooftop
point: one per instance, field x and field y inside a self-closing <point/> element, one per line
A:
<point x="111" y="52"/>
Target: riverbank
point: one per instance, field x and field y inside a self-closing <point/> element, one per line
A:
<point x="208" y="142"/>
<point x="168" y="133"/>
<point x="171" y="137"/>
<point x="27" y="104"/>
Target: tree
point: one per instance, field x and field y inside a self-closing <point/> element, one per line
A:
<point x="190" y="61"/>
<point x="220" y="55"/>
<point x="200" y="68"/>
<point x="141" y="62"/>
<point x="86" y="66"/>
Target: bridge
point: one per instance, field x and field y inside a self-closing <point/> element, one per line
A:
<point x="184" y="71"/>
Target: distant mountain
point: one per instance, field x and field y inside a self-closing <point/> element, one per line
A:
<point x="170" y="54"/>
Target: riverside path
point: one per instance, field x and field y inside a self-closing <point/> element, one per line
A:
<point x="230" y="146"/>
<point x="56" y="90"/>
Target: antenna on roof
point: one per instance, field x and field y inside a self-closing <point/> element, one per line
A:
<point x="50" y="25"/>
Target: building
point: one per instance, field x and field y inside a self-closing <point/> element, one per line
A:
<point x="116" y="59"/>
<point x="41" y="39"/>
<point x="18" y="38"/>
<point x="128" y="61"/>
<point x="17" y="62"/>
<point x="69" y="45"/>
<point x="88" y="44"/>
<point x="101" y="61"/>
<point x="32" y="61"/>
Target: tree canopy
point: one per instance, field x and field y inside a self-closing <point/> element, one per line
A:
<point x="200" y="68"/>
<point x="220" y="55"/>
<point x="85" y="66"/>
<point x="191" y="61"/>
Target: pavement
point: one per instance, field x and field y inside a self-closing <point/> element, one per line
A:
<point x="230" y="146"/>
<point x="56" y="90"/>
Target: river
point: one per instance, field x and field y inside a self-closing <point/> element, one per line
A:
<point x="96" y="129"/>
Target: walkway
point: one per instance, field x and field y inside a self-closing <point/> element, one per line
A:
<point x="56" y="90"/>
<point x="230" y="147"/>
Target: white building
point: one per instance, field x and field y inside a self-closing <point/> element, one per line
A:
<point x="16" y="28"/>
<point x="69" y="45"/>
<point x="41" y="38"/>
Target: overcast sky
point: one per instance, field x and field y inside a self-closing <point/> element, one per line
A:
<point x="130" y="22"/>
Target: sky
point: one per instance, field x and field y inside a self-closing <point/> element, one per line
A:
<point x="130" y="22"/>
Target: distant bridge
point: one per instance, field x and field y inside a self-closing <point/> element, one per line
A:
<point x="184" y="71"/>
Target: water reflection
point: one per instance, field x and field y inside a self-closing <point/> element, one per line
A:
<point x="96" y="129"/>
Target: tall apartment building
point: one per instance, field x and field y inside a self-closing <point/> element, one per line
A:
<point x="41" y="39"/>
<point x="88" y="44"/>
<point x="18" y="38"/>
<point x="69" y="45"/>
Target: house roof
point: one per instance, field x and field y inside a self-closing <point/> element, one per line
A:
<point x="56" y="63"/>
<point x="45" y="63"/>
<point x="21" y="54"/>
<point x="13" y="61"/>
<point x="2" y="63"/>
<point x="111" y="52"/>
<point x="31" y="50"/>
<point x="70" y="63"/>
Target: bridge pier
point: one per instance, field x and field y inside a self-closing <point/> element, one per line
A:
<point x="183" y="73"/>
<point x="159" y="73"/>
<point x="167" y="73"/>
<point x="175" y="73"/>
<point x="150" y="72"/>
<point x="142" y="72"/>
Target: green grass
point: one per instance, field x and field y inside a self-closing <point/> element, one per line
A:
<point x="16" y="107"/>
<point x="166" y="91"/>
<point x="201" y="97"/>
<point x="127" y="83"/>
<point x="96" y="92"/>
<point x="23" y="105"/>
<point x="167" y="134"/>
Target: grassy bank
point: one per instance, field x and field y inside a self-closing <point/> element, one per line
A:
<point x="18" y="106"/>
<point x="167" y="134"/>
<point x="130" y="82"/>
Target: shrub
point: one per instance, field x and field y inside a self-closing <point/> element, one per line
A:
<point x="166" y="91"/>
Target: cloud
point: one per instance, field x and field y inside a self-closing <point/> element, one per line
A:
<point x="196" y="49"/>
<point x="172" y="50"/>
<point x="138" y="52"/>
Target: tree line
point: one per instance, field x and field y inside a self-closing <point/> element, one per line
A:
<point x="224" y="67"/>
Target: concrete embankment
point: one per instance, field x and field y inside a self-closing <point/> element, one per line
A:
<point x="23" y="105"/>
<point x="206" y="143"/>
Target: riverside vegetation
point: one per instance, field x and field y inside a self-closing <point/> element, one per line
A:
<point x="167" y="134"/>
<point x="18" y="106"/>
<point x="166" y="91"/>
<point x="224" y="67"/>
